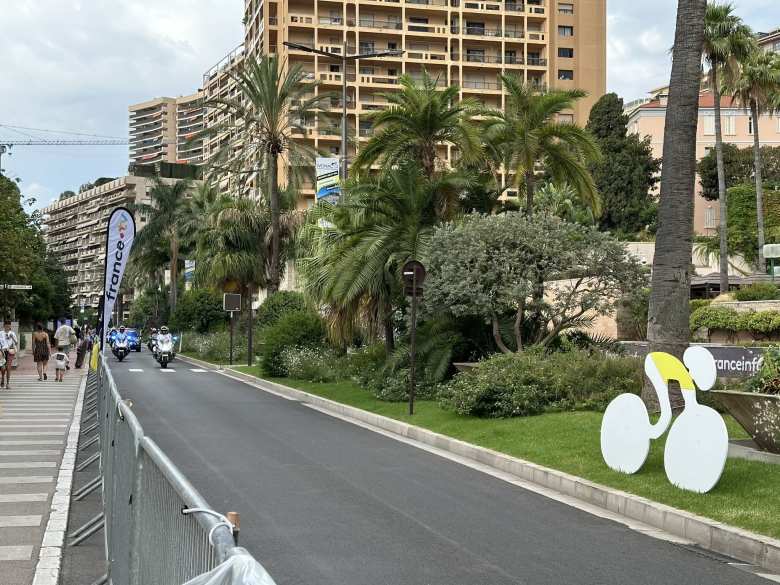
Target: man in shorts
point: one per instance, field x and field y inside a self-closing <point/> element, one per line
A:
<point x="9" y="345"/>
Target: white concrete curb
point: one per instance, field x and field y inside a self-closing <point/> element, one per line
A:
<point x="47" y="571"/>
<point x="728" y="540"/>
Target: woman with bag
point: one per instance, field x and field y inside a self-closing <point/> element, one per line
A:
<point x="9" y="344"/>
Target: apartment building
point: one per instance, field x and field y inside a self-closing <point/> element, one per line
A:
<point x="190" y="121"/>
<point x="648" y="117"/>
<point x="153" y="131"/>
<point x="161" y="130"/>
<point x="75" y="230"/>
<point x="770" y="41"/>
<point x="464" y="43"/>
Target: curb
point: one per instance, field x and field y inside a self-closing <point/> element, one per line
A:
<point x="47" y="571"/>
<point x="737" y="543"/>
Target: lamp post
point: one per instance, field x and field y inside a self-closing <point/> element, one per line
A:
<point x="344" y="58"/>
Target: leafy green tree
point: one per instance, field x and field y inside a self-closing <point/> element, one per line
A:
<point x="166" y="214"/>
<point x="527" y="134"/>
<point x="490" y="266"/>
<point x="562" y="201"/>
<point x="627" y="171"/>
<point x="726" y="41"/>
<point x="419" y="119"/>
<point x="276" y="101"/>
<point x="354" y="252"/>
<point x="757" y="88"/>
<point x="199" y="309"/>
<point x="150" y="308"/>
<point x="738" y="164"/>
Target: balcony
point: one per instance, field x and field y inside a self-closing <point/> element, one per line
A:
<point x="536" y="61"/>
<point x="306" y="19"/>
<point x="437" y="3"/>
<point x="479" y="84"/>
<point x="380" y="24"/>
<point x="431" y="29"/>
<point x="535" y="36"/>
<point x="479" y="58"/>
<point x="513" y="7"/>
<point x="332" y="20"/>
<point x="379" y="79"/>
<point x="481" y="6"/>
<point x="478" y="31"/>
<point x="426" y="56"/>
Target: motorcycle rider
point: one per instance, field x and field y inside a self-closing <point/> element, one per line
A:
<point x="164" y="336"/>
<point x="121" y="335"/>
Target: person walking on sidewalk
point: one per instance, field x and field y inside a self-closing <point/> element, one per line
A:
<point x="9" y="345"/>
<point x="61" y="361"/>
<point x="65" y="336"/>
<point x="41" y="351"/>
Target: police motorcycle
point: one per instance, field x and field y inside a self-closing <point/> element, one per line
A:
<point x="164" y="354"/>
<point x="121" y="345"/>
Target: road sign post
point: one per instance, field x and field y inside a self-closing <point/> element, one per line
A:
<point x="231" y="303"/>
<point x="413" y="274"/>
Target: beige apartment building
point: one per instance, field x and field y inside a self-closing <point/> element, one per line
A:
<point x="75" y="230"/>
<point x="161" y="130"/>
<point x="649" y="116"/>
<point x="464" y="43"/>
<point x="770" y="41"/>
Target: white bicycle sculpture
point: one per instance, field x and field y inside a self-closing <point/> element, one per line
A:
<point x="697" y="445"/>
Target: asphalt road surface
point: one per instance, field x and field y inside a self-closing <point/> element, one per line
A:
<point x="325" y="502"/>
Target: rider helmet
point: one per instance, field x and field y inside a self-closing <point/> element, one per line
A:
<point x="164" y="329"/>
<point x="122" y="328"/>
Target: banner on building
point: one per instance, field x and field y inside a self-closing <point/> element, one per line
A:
<point x="119" y="241"/>
<point x="327" y="171"/>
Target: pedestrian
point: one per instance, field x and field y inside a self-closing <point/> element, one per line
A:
<point x="81" y="350"/>
<point x="41" y="351"/>
<point x="9" y="344"/>
<point x="65" y="336"/>
<point x="61" y="361"/>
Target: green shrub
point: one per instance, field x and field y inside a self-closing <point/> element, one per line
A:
<point x="277" y="306"/>
<point x="696" y="304"/>
<point x="199" y="309"/>
<point x="759" y="291"/>
<point x="314" y="364"/>
<point x="531" y="382"/>
<point x="362" y="364"/>
<point x="214" y="347"/>
<point x="759" y="323"/>
<point x="767" y="379"/>
<point x="296" y="329"/>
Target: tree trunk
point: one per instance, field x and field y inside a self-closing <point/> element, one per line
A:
<point x="723" y="227"/>
<point x="250" y="328"/>
<point x="429" y="160"/>
<point x="387" y="322"/>
<point x="174" y="270"/>
<point x="759" y="187"/>
<point x="668" y="326"/>
<point x="497" y="336"/>
<point x="273" y="179"/>
<point x="519" y="325"/>
<point x="530" y="181"/>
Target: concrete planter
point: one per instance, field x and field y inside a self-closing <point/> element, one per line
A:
<point x="759" y="415"/>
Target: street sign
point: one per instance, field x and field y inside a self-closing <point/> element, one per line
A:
<point x="231" y="302"/>
<point x="413" y="274"/>
<point x="16" y="286"/>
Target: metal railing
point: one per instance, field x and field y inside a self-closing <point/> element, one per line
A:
<point x="158" y="528"/>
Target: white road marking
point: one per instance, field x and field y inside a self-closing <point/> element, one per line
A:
<point x="28" y="465"/>
<point x="16" y="552"/>
<point x="34" y="420"/>
<point x="4" y="426"/>
<point x="26" y="443"/>
<point x="20" y="521"/>
<point x="21" y="498"/>
<point x="30" y="433"/>
<point x="27" y="479"/>
<point x="135" y="370"/>
<point x="27" y="453"/>
<point x="198" y="370"/>
<point x="166" y="370"/>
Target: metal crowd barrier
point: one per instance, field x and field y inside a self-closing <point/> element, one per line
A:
<point x="158" y="529"/>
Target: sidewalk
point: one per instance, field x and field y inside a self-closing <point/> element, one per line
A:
<point x="35" y="424"/>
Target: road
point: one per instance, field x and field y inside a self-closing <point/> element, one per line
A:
<point x="326" y="502"/>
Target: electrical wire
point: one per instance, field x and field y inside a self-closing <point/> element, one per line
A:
<point x="12" y="127"/>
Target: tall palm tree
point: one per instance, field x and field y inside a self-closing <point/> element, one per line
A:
<point x="726" y="41"/>
<point x="419" y="119"/>
<point x="276" y="101"/>
<point x="165" y="214"/>
<point x="668" y="326"/>
<point x="755" y="89"/>
<point x="527" y="133"/>
<point x="356" y="251"/>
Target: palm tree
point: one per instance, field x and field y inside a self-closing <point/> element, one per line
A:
<point x="755" y="89"/>
<point x="276" y="102"/>
<point x="356" y="251"/>
<point x="726" y="41"/>
<point x="527" y="134"/>
<point x="420" y="118"/>
<point x="668" y="326"/>
<point x="168" y="211"/>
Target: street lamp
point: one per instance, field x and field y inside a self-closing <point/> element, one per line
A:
<point x="343" y="57"/>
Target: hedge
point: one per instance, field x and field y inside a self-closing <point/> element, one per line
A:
<point x="756" y="322"/>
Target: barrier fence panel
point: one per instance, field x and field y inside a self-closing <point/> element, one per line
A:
<point x="158" y="528"/>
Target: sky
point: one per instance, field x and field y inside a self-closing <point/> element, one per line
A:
<point x="77" y="64"/>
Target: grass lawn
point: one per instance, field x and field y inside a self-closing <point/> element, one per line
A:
<point x="748" y="494"/>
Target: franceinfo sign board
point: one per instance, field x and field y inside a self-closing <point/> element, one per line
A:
<point x="732" y="361"/>
<point x="119" y="241"/>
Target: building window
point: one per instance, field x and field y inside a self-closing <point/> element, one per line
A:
<point x="565" y="8"/>
<point x="710" y="221"/>
<point x="366" y="71"/>
<point x="566" y="74"/>
<point x="566" y="118"/>
<point x="335" y="68"/>
<point x="709" y="125"/>
<point x="565" y="53"/>
<point x="392" y="46"/>
<point x="750" y="125"/>
<point x="565" y="31"/>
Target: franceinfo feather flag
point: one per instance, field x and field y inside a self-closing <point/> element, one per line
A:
<point x="119" y="241"/>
